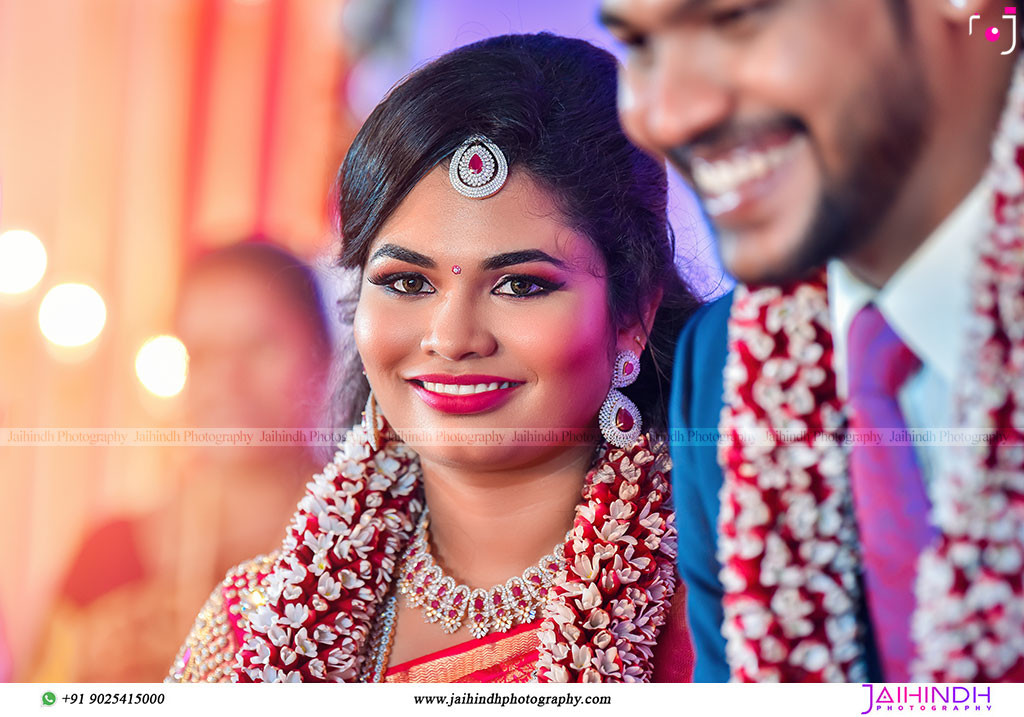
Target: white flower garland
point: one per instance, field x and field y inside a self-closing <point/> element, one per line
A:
<point x="969" y="623"/>
<point x="338" y="562"/>
<point x="787" y="540"/>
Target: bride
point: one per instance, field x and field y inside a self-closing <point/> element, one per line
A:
<point x="502" y="513"/>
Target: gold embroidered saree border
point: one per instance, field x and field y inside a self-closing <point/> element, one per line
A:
<point x="508" y="659"/>
<point x="208" y="654"/>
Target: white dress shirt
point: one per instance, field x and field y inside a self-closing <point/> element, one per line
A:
<point x="926" y="302"/>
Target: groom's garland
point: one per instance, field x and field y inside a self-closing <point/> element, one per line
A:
<point x="603" y="613"/>
<point x="787" y="534"/>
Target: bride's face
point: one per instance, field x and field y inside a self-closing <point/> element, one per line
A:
<point x="497" y="295"/>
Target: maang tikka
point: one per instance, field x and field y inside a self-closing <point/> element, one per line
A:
<point x="478" y="168"/>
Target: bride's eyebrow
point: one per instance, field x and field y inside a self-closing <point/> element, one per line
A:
<point x="402" y="254"/>
<point x="500" y="261"/>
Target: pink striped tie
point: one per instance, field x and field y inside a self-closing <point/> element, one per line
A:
<point x="889" y="495"/>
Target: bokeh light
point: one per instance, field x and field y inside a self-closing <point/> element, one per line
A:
<point x="162" y="365"/>
<point x="22" y="261"/>
<point x="72" y="314"/>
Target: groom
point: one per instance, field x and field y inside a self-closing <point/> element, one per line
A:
<point x="843" y="151"/>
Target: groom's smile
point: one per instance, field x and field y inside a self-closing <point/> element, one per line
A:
<point x="798" y="122"/>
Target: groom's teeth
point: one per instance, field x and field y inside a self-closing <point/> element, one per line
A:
<point x="464" y="389"/>
<point x="728" y="175"/>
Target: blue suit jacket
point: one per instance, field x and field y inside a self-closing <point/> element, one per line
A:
<point x="694" y="411"/>
<point x="695" y="406"/>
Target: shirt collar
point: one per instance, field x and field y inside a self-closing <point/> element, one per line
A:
<point x="926" y="302"/>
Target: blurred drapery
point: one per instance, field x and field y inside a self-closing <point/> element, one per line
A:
<point x="133" y="133"/>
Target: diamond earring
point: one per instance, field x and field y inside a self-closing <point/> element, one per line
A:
<point x="619" y="418"/>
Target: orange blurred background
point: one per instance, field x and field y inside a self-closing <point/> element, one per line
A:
<point x="134" y="134"/>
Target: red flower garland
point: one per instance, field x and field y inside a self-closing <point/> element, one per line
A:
<point x="339" y="559"/>
<point x="787" y="537"/>
<point x="603" y="618"/>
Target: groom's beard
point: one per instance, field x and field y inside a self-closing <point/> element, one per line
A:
<point x="850" y="211"/>
<point x="878" y="153"/>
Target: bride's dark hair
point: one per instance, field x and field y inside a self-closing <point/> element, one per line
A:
<point x="549" y="103"/>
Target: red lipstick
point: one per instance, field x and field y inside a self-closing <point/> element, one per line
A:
<point x="465" y="403"/>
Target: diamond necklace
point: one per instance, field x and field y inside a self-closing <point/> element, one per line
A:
<point x="427" y="587"/>
<point x="441" y="599"/>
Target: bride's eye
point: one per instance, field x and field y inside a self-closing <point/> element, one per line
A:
<point x="524" y="286"/>
<point x="404" y="283"/>
<point x="409" y="285"/>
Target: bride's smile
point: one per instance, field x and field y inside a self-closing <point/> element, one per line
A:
<point x="468" y="393"/>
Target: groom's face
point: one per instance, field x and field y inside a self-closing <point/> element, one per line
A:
<point x="796" y="121"/>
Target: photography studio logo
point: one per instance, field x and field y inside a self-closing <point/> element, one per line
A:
<point x="994" y="34"/>
<point x="927" y="698"/>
